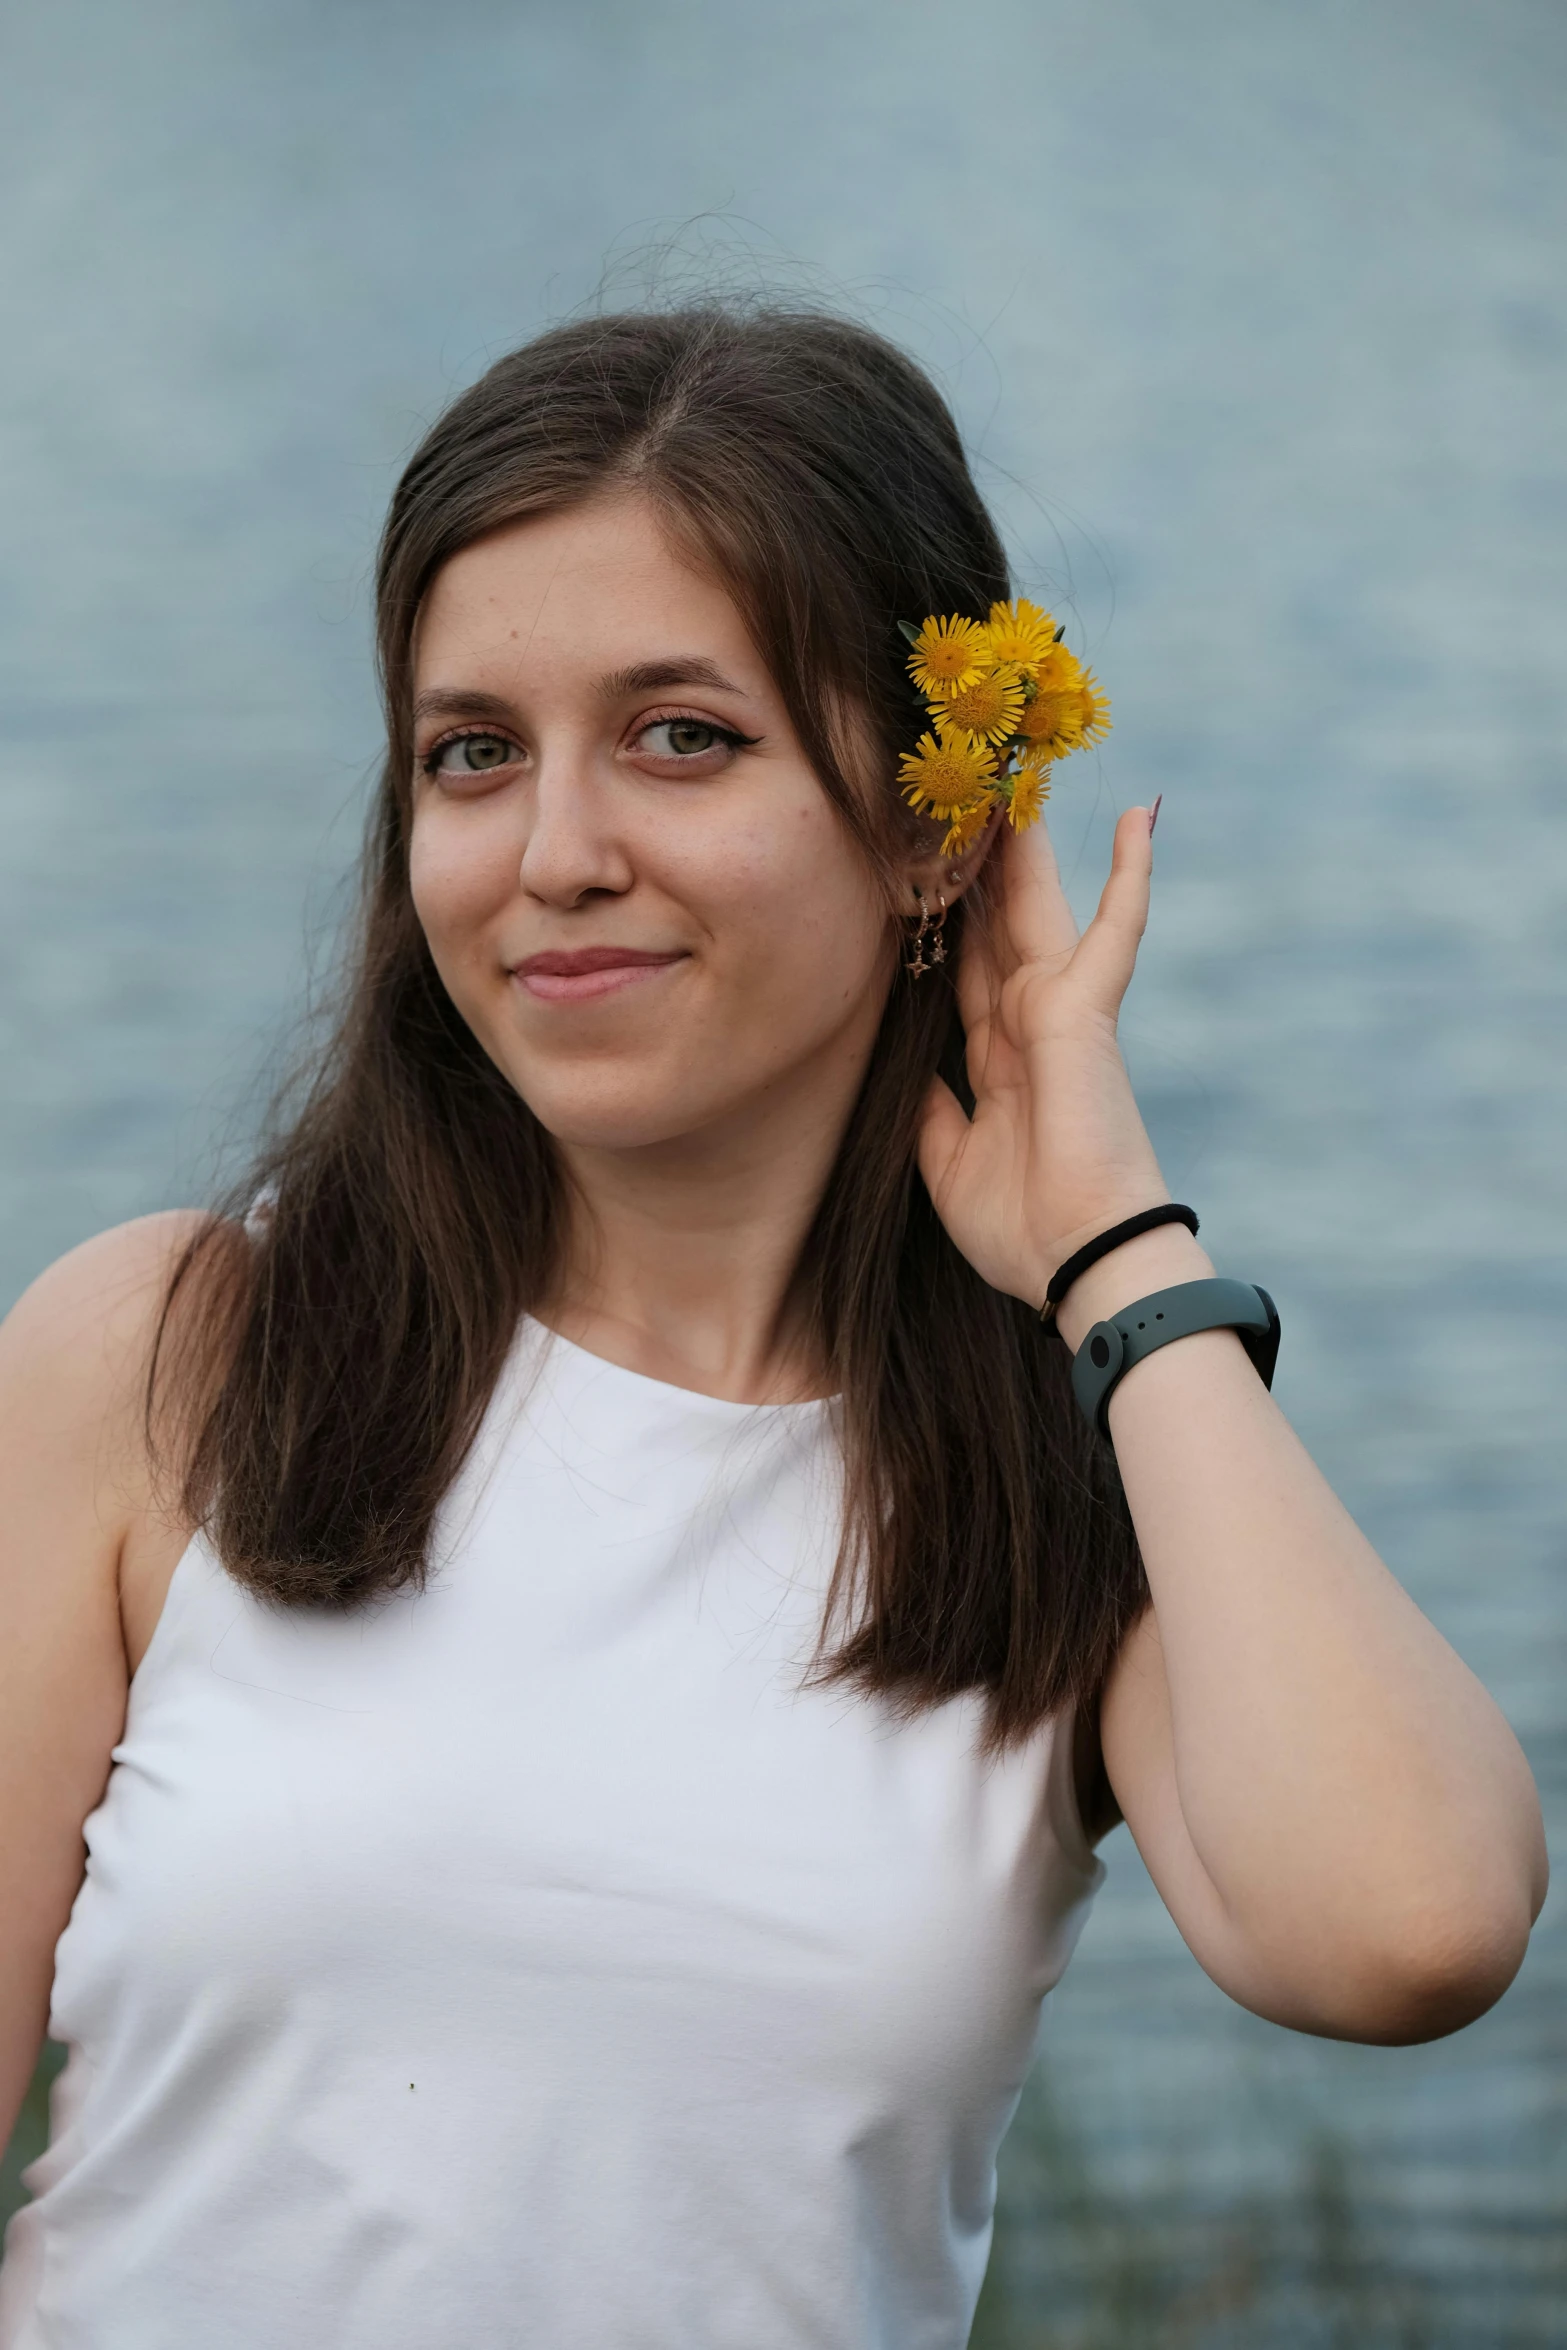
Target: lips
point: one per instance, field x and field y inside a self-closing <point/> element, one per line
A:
<point x="575" y="977"/>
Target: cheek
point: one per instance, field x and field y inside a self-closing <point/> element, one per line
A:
<point x="457" y="877"/>
<point x="804" y="920"/>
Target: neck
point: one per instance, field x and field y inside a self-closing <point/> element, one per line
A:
<point x="681" y="1256"/>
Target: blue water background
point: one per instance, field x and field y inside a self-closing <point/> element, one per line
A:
<point x="1253" y="313"/>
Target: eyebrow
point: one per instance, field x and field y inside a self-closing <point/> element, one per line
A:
<point x="457" y="702"/>
<point x="643" y="677"/>
<point x="651" y="677"/>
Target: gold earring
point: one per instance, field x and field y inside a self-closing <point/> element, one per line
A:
<point x="915" y="964"/>
<point x="938" y="945"/>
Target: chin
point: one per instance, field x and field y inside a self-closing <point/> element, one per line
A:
<point x="622" y="1108"/>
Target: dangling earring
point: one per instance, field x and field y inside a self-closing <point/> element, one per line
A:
<point x="938" y="945"/>
<point x="916" y="965"/>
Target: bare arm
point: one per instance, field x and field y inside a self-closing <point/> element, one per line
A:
<point x="1337" y="1815"/>
<point x="73" y="1484"/>
<point x="1335" y="1812"/>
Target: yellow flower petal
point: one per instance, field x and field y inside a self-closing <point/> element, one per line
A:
<point x="1020" y="631"/>
<point x="1054" y="670"/>
<point x="1066" y="709"/>
<point x="1030" y="790"/>
<point x="946" y="775"/>
<point x="989" y="707"/>
<point x="948" y="654"/>
<point x="1096" y="715"/>
<point x="967" y="825"/>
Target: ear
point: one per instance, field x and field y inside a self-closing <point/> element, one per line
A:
<point x="928" y="877"/>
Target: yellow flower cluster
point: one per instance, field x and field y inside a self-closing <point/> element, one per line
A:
<point x="1006" y="700"/>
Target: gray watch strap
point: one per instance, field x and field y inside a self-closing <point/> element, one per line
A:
<point x="1138" y="1330"/>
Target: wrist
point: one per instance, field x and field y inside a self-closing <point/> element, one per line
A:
<point x="1154" y="1260"/>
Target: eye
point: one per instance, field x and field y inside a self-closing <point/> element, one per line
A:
<point x="686" y="740"/>
<point x="683" y="738"/>
<point x="471" y="754"/>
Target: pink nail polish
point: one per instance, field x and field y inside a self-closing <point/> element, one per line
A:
<point x="1153" y="814"/>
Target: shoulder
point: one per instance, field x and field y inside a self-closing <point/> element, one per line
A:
<point x="76" y="1347"/>
<point x="104" y="1296"/>
<point x="74" y="1486"/>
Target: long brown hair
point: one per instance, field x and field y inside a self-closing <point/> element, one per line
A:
<point x="328" y="1366"/>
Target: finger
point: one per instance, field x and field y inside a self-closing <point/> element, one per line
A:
<point x="1108" y="952"/>
<point x="1039" y="920"/>
<point x="979" y="974"/>
<point x="944" y="1130"/>
<point x="977" y="983"/>
<point x="990" y="1051"/>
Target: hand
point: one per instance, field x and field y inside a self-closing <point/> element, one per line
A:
<point x="1056" y="1150"/>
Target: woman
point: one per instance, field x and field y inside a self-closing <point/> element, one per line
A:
<point x="588" y="1632"/>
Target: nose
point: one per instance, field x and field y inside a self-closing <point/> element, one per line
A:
<point x="573" y="849"/>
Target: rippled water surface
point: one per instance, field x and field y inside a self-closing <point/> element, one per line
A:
<point x="1254" y="313"/>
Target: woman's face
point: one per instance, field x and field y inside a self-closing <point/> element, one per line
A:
<point x="633" y="886"/>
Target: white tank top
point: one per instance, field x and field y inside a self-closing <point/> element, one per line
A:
<point x="534" y="1961"/>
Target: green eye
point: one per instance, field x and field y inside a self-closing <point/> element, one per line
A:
<point x="475" y="754"/>
<point x="689" y="736"/>
<point x="700" y="744"/>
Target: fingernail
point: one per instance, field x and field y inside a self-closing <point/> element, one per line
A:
<point x="1153" y="814"/>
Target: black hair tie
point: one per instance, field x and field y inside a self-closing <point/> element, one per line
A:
<point x="1092" y="1250"/>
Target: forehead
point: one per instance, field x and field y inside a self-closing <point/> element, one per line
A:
<point x="596" y="587"/>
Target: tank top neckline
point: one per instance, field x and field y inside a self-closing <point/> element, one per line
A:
<point x="536" y="1337"/>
